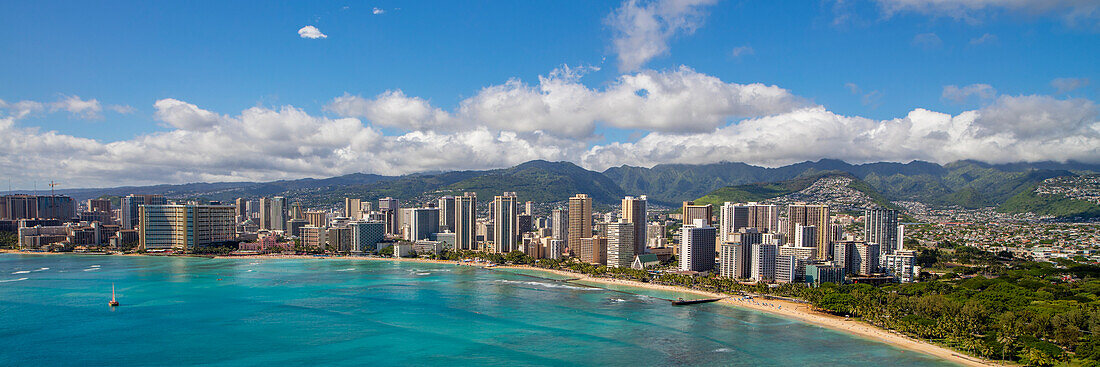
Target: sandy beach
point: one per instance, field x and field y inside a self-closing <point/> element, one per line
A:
<point x="797" y="311"/>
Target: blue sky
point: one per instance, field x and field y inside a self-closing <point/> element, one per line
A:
<point x="877" y="60"/>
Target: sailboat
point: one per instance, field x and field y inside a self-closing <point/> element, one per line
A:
<point x="113" y="303"/>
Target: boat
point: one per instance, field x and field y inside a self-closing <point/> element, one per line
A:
<point x="114" y="302"/>
<point x="682" y="302"/>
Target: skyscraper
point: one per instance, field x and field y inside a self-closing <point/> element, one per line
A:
<point x="620" y="244"/>
<point x="868" y="257"/>
<point x="353" y="208"/>
<point x="763" y="262"/>
<point x="634" y="212"/>
<point x="697" y="249"/>
<point x="505" y="223"/>
<point x="388" y="207"/>
<point x="592" y="250"/>
<point x="131" y="204"/>
<point x="99" y="205"/>
<point x="529" y="208"/>
<point x="734" y="260"/>
<point x="184" y="227"/>
<point x="805" y="236"/>
<point x="265" y="213"/>
<point x="465" y="225"/>
<point x="580" y="220"/>
<point x="241" y="209"/>
<point x="423" y="222"/>
<point x="279" y="209"/>
<point x="881" y="227"/>
<point x="559" y="224"/>
<point x="691" y="212"/>
<point x="733" y="217"/>
<point x="446" y="207"/>
<point x="810" y="215"/>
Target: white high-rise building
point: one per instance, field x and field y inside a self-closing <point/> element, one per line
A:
<point x="734" y="260"/>
<point x="805" y="236"/>
<point x="620" y="244"/>
<point x="763" y="262"/>
<point x="505" y="223"/>
<point x="466" y="222"/>
<point x="881" y="227"/>
<point x="697" y="246"/>
<point x="446" y="213"/>
<point x="634" y="212"/>
<point x="902" y="265"/>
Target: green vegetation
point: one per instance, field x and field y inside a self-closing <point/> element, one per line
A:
<point x="1030" y="201"/>
<point x="765" y="191"/>
<point x="9" y="240"/>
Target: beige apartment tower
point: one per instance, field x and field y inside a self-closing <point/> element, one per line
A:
<point x="580" y="220"/>
<point x="810" y="215"/>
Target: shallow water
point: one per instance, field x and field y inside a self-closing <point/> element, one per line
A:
<point x="237" y="312"/>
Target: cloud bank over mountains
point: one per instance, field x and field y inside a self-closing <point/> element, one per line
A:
<point x="684" y="117"/>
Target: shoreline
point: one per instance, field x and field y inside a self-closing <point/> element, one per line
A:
<point x="781" y="308"/>
<point x="796" y="311"/>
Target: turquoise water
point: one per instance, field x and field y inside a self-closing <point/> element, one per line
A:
<point x="240" y="312"/>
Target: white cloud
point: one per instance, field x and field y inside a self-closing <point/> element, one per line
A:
<point x="1023" y="128"/>
<point x="311" y="32"/>
<point x="958" y="94"/>
<point x="378" y="11"/>
<point x="680" y="100"/>
<point x="1065" y="85"/>
<point x="1073" y="12"/>
<point x="927" y="41"/>
<point x="742" y="51"/>
<point x="20" y="109"/>
<point x="686" y="117"/>
<point x="89" y="109"/>
<point x="121" y="109"/>
<point x="985" y="38"/>
<point x="642" y="29"/>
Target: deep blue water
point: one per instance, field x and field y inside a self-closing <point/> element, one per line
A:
<point x="283" y="312"/>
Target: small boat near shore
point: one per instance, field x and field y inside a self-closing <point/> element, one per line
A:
<point x="683" y="302"/>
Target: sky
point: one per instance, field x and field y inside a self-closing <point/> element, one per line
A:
<point x="120" y="93"/>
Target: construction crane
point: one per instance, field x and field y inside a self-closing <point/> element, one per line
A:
<point x="52" y="184"/>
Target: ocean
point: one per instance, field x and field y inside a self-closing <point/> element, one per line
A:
<point x="305" y="312"/>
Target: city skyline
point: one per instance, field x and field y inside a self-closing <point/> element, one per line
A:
<point x="638" y="83"/>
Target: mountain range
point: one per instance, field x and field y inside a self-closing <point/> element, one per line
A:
<point x="966" y="184"/>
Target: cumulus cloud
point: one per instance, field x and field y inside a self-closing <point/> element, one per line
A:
<point x="680" y="100"/>
<point x="89" y="109"/>
<point x="686" y="117"/>
<point x="1022" y="128"/>
<point x="1073" y="12"/>
<point x="1065" y="85"/>
<point x="378" y="11"/>
<point x="311" y="32"/>
<point x="958" y="94"/>
<point x="642" y="29"/>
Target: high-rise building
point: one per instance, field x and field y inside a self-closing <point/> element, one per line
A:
<point x="824" y="273"/>
<point x="388" y="207"/>
<point x="881" y="227"/>
<point x="265" y="213"/>
<point x="559" y="224"/>
<point x="844" y="255"/>
<point x="241" y="208"/>
<point x="446" y="207"/>
<point x="353" y="208"/>
<point x="592" y="250"/>
<point x="529" y="208"/>
<point x="810" y="215"/>
<point x="868" y="257"/>
<point x="296" y="211"/>
<point x="691" y="212"/>
<point x="129" y="216"/>
<point x="634" y="212"/>
<point x="99" y="205"/>
<point x="505" y="224"/>
<point x="763" y="217"/>
<point x="317" y="219"/>
<point x="731" y="218"/>
<point x="902" y="265"/>
<point x="763" y="262"/>
<point x="580" y="220"/>
<point x="734" y="260"/>
<point x="697" y="248"/>
<point x="365" y="236"/>
<point x="314" y="236"/>
<point x="465" y="225"/>
<point x="339" y="238"/>
<point x="805" y="236"/>
<point x="185" y="227"/>
<point x="525" y="223"/>
<point x="789" y="269"/>
<point x="423" y="223"/>
<point x="620" y="244"/>
<point x="279" y="210"/>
